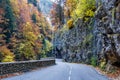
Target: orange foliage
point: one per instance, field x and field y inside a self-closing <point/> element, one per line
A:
<point x="8" y="56"/>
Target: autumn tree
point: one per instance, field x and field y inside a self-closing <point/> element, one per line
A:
<point x="84" y="9"/>
<point x="69" y="7"/>
<point x="21" y="25"/>
<point x="6" y="55"/>
<point x="78" y="9"/>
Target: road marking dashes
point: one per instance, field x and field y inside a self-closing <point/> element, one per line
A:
<point x="69" y="78"/>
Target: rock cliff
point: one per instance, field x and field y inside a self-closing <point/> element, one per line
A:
<point x="96" y="41"/>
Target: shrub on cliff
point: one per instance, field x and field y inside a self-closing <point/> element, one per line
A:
<point x="94" y="61"/>
<point x="84" y="9"/>
<point x="70" y="23"/>
<point x="88" y="39"/>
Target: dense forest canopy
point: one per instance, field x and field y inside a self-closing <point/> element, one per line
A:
<point x="24" y="31"/>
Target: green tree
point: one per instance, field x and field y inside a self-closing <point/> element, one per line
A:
<point x="11" y="23"/>
<point x="34" y="18"/>
<point x="34" y="2"/>
<point x="47" y="46"/>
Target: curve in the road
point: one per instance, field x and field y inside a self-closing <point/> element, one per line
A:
<point x="62" y="71"/>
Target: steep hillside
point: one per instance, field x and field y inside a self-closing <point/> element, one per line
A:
<point x="24" y="31"/>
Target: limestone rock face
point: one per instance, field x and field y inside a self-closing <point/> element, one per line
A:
<point x="109" y="28"/>
<point x="99" y="37"/>
<point x="75" y="44"/>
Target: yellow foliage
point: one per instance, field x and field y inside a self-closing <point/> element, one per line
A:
<point x="28" y="32"/>
<point x="15" y="7"/>
<point x="89" y="13"/>
<point x="27" y="27"/>
<point x="27" y="50"/>
<point x="84" y="9"/>
<point x="8" y="56"/>
<point x="70" y="23"/>
<point x="8" y="59"/>
<point x="102" y="65"/>
<point x="31" y="36"/>
<point x="49" y="45"/>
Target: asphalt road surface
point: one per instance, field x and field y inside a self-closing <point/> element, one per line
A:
<point x="62" y="71"/>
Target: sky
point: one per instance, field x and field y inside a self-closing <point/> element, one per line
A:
<point x="53" y="0"/>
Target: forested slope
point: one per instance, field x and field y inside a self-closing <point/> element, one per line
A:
<point x="24" y="31"/>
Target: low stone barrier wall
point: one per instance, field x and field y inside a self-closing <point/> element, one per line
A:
<point x="24" y="66"/>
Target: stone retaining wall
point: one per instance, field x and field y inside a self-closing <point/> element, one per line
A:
<point x="24" y="66"/>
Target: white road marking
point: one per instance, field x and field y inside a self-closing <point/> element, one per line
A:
<point x="69" y="78"/>
<point x="70" y="71"/>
